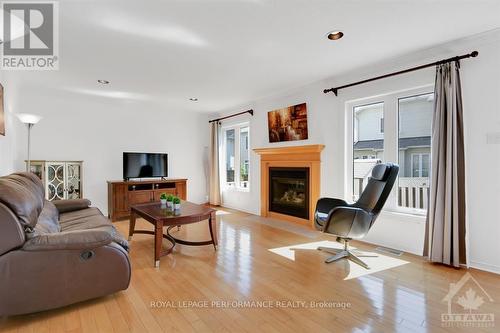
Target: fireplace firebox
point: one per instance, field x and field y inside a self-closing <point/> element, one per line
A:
<point x="289" y="191"/>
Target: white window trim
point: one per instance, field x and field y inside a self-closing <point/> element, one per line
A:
<point x="391" y="149"/>
<point x="237" y="136"/>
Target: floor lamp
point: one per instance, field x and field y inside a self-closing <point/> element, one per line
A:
<point x="30" y="120"/>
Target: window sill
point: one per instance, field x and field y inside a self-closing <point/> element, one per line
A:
<point x="406" y="216"/>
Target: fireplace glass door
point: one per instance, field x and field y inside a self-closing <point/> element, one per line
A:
<point x="289" y="191"/>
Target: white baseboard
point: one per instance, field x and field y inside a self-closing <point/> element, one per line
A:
<point x="485" y="267"/>
<point x="398" y="247"/>
<point x="238" y="209"/>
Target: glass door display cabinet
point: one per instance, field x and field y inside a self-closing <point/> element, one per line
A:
<point x="61" y="179"/>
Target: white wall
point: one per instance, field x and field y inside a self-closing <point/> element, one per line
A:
<point x="481" y="95"/>
<point x="327" y="125"/>
<point x="98" y="130"/>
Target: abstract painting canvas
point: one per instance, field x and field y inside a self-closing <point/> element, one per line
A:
<point x="2" y="118"/>
<point x="288" y="124"/>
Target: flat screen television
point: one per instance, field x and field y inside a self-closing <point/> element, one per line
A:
<point x="144" y="165"/>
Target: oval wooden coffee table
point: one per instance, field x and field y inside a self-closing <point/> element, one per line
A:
<point x="160" y="217"/>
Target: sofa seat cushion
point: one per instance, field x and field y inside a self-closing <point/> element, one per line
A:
<point x="84" y="222"/>
<point x="70" y="240"/>
<point x="92" y="219"/>
<point x="67" y="218"/>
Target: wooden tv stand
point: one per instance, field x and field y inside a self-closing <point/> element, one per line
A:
<point x="123" y="194"/>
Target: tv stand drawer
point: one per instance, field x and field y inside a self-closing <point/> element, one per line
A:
<point x="157" y="194"/>
<point x="139" y="197"/>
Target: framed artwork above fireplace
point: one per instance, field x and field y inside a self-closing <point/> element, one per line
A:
<point x="288" y="124"/>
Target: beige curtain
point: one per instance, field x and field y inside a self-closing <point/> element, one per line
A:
<point x="213" y="162"/>
<point x="445" y="234"/>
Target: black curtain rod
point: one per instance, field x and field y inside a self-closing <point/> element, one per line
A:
<point x="232" y="115"/>
<point x="465" y="56"/>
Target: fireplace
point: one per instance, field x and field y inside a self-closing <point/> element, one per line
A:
<point x="296" y="171"/>
<point x="289" y="191"/>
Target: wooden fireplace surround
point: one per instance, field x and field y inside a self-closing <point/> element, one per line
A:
<point x="308" y="156"/>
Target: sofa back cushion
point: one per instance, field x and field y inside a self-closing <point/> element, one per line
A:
<point x="11" y="232"/>
<point x="48" y="221"/>
<point x="23" y="193"/>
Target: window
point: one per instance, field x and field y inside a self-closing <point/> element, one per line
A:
<point x="414" y="141"/>
<point x="230" y="150"/>
<point x="237" y="156"/>
<point x="394" y="128"/>
<point x="420" y="165"/>
<point x="368" y="143"/>
<point x="244" y="157"/>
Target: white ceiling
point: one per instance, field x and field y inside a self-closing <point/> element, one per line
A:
<point x="229" y="52"/>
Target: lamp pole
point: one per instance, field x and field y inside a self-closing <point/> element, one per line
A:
<point x="28" y="166"/>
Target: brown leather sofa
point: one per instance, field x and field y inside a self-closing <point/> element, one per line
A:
<point x="54" y="254"/>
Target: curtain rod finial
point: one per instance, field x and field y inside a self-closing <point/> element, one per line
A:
<point x="333" y="90"/>
<point x="474" y="54"/>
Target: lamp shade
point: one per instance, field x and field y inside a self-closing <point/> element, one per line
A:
<point x="28" y="118"/>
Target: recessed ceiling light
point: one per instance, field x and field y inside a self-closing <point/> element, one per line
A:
<point x="335" y="35"/>
<point x="103" y="81"/>
<point x="193" y="99"/>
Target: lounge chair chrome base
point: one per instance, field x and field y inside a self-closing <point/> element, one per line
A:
<point x="346" y="253"/>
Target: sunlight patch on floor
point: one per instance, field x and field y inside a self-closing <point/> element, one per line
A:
<point x="222" y="212"/>
<point x="376" y="264"/>
<point x="289" y="251"/>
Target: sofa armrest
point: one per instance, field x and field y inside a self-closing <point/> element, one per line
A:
<point x="69" y="240"/>
<point x="64" y="206"/>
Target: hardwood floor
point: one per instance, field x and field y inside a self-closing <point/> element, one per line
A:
<point x="196" y="289"/>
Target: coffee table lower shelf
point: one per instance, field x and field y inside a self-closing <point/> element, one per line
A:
<point x="159" y="217"/>
<point x="174" y="240"/>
